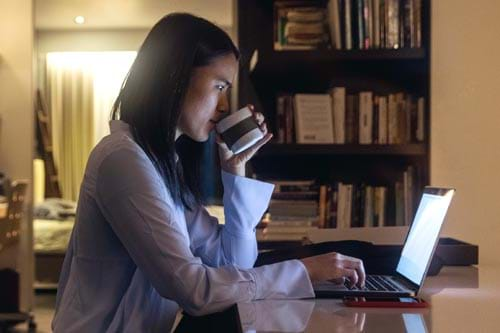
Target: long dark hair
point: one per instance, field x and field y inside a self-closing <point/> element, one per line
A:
<point x="151" y="97"/>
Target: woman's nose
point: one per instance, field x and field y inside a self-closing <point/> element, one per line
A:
<point x="223" y="103"/>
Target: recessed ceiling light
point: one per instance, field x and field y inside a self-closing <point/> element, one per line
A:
<point x="79" y="19"/>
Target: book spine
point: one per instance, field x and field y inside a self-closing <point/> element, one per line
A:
<point x="382" y="204"/>
<point x="332" y="223"/>
<point x="376" y="24"/>
<point x="375" y="134"/>
<point x="401" y="18"/>
<point x="356" y="119"/>
<point x="348" y="24"/>
<point x="392" y="119"/>
<point x="420" y="119"/>
<point x="401" y="124"/>
<point x="417" y="12"/>
<point x="382" y="121"/>
<point x="408" y="131"/>
<point x="348" y="205"/>
<point x="334" y="24"/>
<point x="280" y="119"/>
<point x="357" y="205"/>
<point x="289" y="118"/>
<point x="297" y="122"/>
<point x="392" y="24"/>
<point x="365" y="117"/>
<point x="350" y="122"/>
<point x="360" y="20"/>
<point x="369" y="213"/>
<point x="322" y="206"/>
<point x="341" y="206"/>
<point x="339" y="111"/>
<point x="399" y="203"/>
<point x="383" y="24"/>
<point x="328" y="208"/>
<point x="407" y="23"/>
<point x="367" y="29"/>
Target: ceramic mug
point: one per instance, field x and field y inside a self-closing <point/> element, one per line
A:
<point x="239" y="130"/>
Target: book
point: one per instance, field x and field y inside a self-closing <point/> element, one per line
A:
<point x="360" y="24"/>
<point x="305" y="14"/>
<point x="376" y="24"/>
<point x="313" y="118"/>
<point x="380" y="202"/>
<point x="399" y="219"/>
<point x="306" y="29"/>
<point x="322" y="206"/>
<point x="382" y="120"/>
<point x="369" y="207"/>
<point x="365" y="117"/>
<point x="299" y="25"/>
<point x="375" y="126"/>
<point x="289" y="120"/>
<point x="392" y="120"/>
<point x="280" y="119"/>
<point x="348" y="24"/>
<point x="333" y="198"/>
<point x="367" y="28"/>
<point x="420" y="119"/>
<point x="417" y="19"/>
<point x="392" y="7"/>
<point x="350" y="119"/>
<point x="334" y="24"/>
<point x="338" y="113"/>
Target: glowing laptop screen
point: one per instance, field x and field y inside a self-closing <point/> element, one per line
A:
<point x="423" y="236"/>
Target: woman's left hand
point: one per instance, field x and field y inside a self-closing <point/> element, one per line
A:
<point x="235" y="163"/>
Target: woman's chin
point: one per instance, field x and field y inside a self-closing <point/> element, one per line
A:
<point x="200" y="137"/>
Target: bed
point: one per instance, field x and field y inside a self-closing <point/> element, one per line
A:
<point x="50" y="238"/>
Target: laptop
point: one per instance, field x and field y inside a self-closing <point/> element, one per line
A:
<point x="415" y="257"/>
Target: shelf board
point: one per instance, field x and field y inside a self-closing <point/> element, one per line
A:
<point x="328" y="62"/>
<point x="332" y="55"/>
<point x="276" y="149"/>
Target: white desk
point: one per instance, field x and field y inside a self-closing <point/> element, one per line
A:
<point x="463" y="299"/>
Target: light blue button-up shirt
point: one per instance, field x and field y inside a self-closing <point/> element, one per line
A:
<point x="135" y="257"/>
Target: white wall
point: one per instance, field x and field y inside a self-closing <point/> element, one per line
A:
<point x="16" y="132"/>
<point x="465" y="124"/>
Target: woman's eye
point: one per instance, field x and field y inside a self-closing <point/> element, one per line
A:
<point x="220" y="87"/>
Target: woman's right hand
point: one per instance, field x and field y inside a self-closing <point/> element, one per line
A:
<point x="337" y="267"/>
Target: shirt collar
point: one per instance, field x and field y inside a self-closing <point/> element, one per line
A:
<point x="121" y="126"/>
<point x="118" y="126"/>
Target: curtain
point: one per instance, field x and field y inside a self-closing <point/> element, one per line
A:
<point x="71" y="101"/>
<point x="81" y="88"/>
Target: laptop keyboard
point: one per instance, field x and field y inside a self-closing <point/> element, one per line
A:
<point x="375" y="282"/>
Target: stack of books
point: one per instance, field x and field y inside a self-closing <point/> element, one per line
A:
<point x="350" y="205"/>
<point x="356" y="118"/>
<point x="375" y="24"/>
<point x="293" y="210"/>
<point x="299" y="25"/>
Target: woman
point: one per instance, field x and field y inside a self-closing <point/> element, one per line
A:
<point x="143" y="245"/>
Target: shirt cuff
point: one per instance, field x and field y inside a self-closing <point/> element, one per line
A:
<point x="283" y="280"/>
<point x="245" y="201"/>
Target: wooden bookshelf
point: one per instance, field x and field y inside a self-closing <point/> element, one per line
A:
<point x="265" y="73"/>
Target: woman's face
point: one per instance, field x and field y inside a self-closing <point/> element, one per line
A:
<point x="206" y="100"/>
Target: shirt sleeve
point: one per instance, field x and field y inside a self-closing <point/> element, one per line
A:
<point x="245" y="201"/>
<point x="136" y="204"/>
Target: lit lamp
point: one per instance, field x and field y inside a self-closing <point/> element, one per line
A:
<point x="79" y="19"/>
